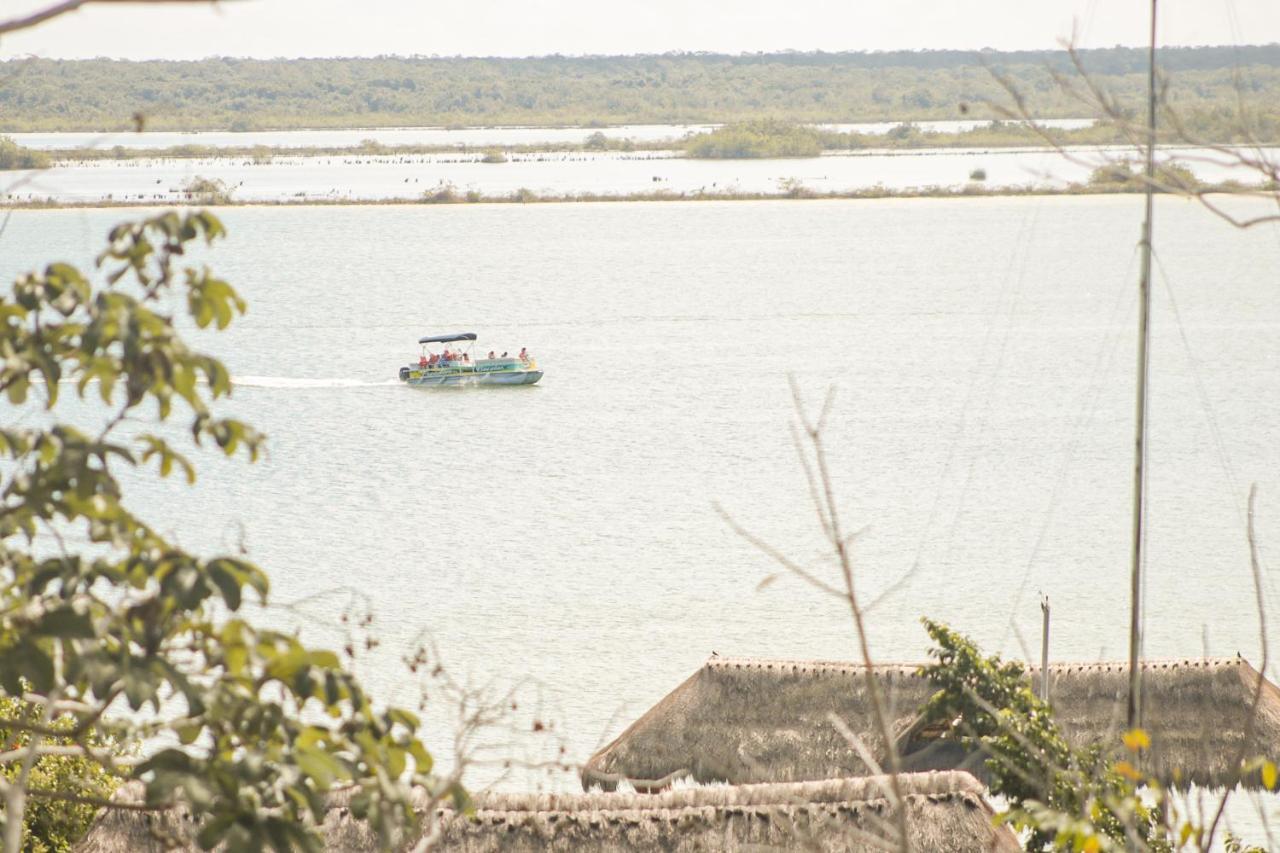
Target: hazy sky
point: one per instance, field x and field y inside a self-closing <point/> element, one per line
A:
<point x="268" y="28"/>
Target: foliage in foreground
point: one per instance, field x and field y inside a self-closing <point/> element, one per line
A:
<point x="111" y="630"/>
<point x="1063" y="798"/>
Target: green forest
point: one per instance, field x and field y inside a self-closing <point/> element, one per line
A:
<point x="243" y="94"/>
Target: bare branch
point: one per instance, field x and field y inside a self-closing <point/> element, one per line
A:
<point x="81" y="799"/>
<point x="1251" y="722"/>
<point x="776" y="555"/>
<point x="25" y="22"/>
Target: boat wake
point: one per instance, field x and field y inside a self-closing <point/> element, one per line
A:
<point x="294" y="382"/>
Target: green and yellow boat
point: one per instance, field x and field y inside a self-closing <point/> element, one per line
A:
<point x="456" y="367"/>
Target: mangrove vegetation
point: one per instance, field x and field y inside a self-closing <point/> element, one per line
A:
<point x="244" y="94"/>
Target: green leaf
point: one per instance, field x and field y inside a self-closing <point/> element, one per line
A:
<point x="320" y="766"/>
<point x="227" y="582"/>
<point x="212" y="833"/>
<point x="34" y="664"/>
<point x="65" y="623"/>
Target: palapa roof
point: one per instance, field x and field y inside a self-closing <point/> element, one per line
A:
<point x="945" y="811"/>
<point x="744" y="720"/>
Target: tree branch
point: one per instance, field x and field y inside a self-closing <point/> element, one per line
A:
<point x="25" y="22"/>
<point x="81" y="799"/>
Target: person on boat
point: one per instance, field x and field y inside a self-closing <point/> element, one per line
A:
<point x="422" y="360"/>
<point x="491" y="355"/>
<point x="524" y="355"/>
<point x="433" y="361"/>
<point x="504" y="354"/>
<point x="466" y="357"/>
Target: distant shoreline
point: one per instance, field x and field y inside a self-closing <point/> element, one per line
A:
<point x="446" y="198"/>
<point x="230" y="94"/>
<point x="1008" y="138"/>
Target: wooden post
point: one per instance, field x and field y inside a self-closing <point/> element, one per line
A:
<point x="1134" y="717"/>
<point x="1044" y="650"/>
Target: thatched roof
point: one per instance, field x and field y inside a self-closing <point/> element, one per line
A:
<point x="946" y="811"/>
<point x="750" y="720"/>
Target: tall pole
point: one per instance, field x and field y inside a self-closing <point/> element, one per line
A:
<point x="1140" y="442"/>
<point x="1044" y="649"/>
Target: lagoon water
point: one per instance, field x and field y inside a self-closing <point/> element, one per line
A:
<point x="408" y="177"/>
<point x="982" y="351"/>
<point x="461" y="136"/>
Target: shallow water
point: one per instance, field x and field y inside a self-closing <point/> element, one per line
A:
<point x="406" y="177"/>
<point x="982" y="351"/>
<point x="435" y="135"/>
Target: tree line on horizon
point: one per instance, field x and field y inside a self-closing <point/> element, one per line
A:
<point x="248" y="94"/>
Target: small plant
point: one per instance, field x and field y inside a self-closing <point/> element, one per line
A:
<point x="206" y="191"/>
<point x="493" y="156"/>
<point x="978" y="174"/>
<point x="442" y="193"/>
<point x="795" y="188"/>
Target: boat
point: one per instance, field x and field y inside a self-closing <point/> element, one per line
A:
<point x="458" y="368"/>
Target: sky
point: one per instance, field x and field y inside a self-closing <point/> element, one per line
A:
<point x="293" y="28"/>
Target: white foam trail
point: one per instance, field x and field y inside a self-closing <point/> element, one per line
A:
<point x="295" y="382"/>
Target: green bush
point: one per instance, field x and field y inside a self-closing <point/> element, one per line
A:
<point x="765" y="138"/>
<point x="207" y="190"/>
<point x="15" y="156"/>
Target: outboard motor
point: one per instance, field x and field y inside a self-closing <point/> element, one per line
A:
<point x="404" y="374"/>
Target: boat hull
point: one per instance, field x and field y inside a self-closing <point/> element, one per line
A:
<point x="472" y="379"/>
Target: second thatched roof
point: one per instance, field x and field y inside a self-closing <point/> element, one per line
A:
<point x="945" y="811"/>
<point x="743" y="720"/>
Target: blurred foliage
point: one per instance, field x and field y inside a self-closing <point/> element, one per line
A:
<point x="243" y="94"/>
<point x="121" y="630"/>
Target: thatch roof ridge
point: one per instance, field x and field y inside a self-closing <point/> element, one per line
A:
<point x="806" y="666"/>
<point x="945" y="810"/>
<point x="744" y="720"/>
<point x="942" y="783"/>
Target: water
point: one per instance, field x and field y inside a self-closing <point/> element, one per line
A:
<point x="363" y="177"/>
<point x="982" y="351"/>
<point x="464" y="136"/>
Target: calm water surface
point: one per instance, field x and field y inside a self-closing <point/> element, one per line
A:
<point x="982" y="351"/>
<point x="405" y="177"/>
<point x="437" y="135"/>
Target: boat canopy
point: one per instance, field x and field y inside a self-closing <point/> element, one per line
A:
<point x="447" y="339"/>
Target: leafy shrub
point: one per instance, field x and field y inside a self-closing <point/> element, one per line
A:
<point x="15" y="156"/>
<point x="207" y="191"/>
<point x="443" y="193"/>
<point x="764" y="138"/>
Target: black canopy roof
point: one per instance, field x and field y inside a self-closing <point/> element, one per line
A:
<point x="446" y="339"/>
